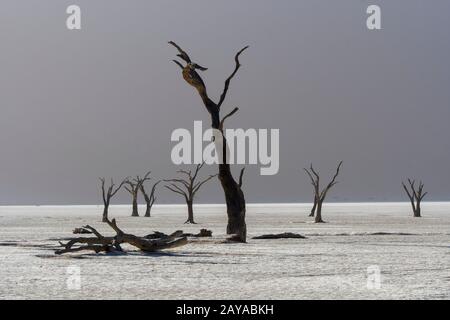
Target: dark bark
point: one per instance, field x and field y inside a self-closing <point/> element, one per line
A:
<point x="148" y="210"/>
<point x="190" y="218"/>
<point x="318" y="218"/>
<point x="188" y="186"/>
<point x="150" y="198"/>
<point x="135" y="212"/>
<point x="320" y="195"/>
<point x="286" y="235"/>
<point x="105" y="212"/>
<point x="99" y="243"/>
<point x="313" y="209"/>
<point x="107" y="194"/>
<point x="415" y="196"/>
<point x="133" y="187"/>
<point x="234" y="197"/>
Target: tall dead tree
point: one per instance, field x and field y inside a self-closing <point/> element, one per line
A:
<point x="234" y="197"/>
<point x="319" y="195"/>
<point x="133" y="187"/>
<point x="150" y="198"/>
<point x="107" y="194"/>
<point x="415" y="196"/>
<point x="188" y="186"/>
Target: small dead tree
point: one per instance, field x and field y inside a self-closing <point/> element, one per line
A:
<point x="415" y="196"/>
<point x="108" y="193"/>
<point x="188" y="187"/>
<point x="319" y="195"/>
<point x="234" y="196"/>
<point x="150" y="198"/>
<point x="133" y="187"/>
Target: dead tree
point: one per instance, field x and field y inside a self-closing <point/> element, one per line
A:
<point x="415" y="196"/>
<point x="188" y="187"/>
<point x="108" y="193"/>
<point x="133" y="187"/>
<point x="150" y="198"/>
<point x="319" y="195"/>
<point x="100" y="243"/>
<point x="234" y="197"/>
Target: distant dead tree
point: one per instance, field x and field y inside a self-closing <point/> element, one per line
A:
<point x="188" y="187"/>
<point x="150" y="198"/>
<point x="415" y="196"/>
<point x="319" y="195"/>
<point x="108" y="193"/>
<point x="234" y="197"/>
<point x="133" y="187"/>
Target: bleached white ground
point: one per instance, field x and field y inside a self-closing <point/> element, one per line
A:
<point x="330" y="264"/>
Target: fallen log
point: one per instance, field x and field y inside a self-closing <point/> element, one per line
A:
<point x="161" y="235"/>
<point x="99" y="243"/>
<point x="81" y="230"/>
<point x="285" y="235"/>
<point x="201" y="234"/>
<point x="179" y="233"/>
<point x="204" y="233"/>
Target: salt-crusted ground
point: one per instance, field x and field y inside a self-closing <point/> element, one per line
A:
<point x="332" y="263"/>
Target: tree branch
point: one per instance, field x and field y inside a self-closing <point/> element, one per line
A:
<point x="227" y="116"/>
<point x="199" y="184"/>
<point x="241" y="176"/>
<point x="183" y="55"/>
<point x="227" y="81"/>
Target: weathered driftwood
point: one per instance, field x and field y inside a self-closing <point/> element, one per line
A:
<point x="81" y="231"/>
<point x="99" y="243"/>
<point x="286" y="235"/>
<point x="203" y="233"/>
<point x="179" y="233"/>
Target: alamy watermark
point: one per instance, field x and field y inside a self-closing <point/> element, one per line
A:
<point x="250" y="146"/>
<point x="373" y="277"/>
<point x="73" y="281"/>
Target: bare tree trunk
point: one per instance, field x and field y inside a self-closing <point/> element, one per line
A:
<point x="413" y="205"/>
<point x="135" y="212"/>
<point x="105" y="213"/>
<point x="313" y="209"/>
<point x="148" y="210"/>
<point x="234" y="198"/>
<point x="417" y="211"/>
<point x="318" y="217"/>
<point x="190" y="218"/>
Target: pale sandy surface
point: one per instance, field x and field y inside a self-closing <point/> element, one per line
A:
<point x="331" y="263"/>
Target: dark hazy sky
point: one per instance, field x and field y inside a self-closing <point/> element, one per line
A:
<point x="103" y="101"/>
